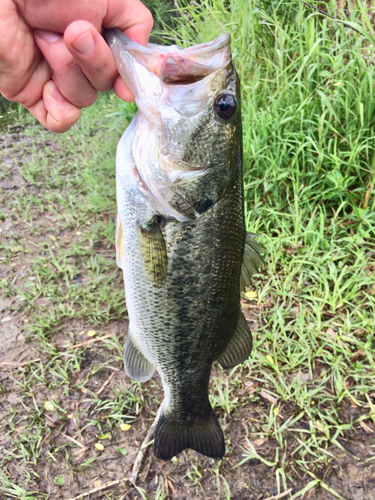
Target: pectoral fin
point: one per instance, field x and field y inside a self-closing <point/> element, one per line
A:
<point x="252" y="260"/>
<point x="120" y="260"/>
<point x="240" y="347"/>
<point x="136" y="365"/>
<point x="154" y="252"/>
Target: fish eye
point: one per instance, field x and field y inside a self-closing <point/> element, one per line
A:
<point x="225" y="106"/>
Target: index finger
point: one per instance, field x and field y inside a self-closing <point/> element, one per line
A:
<point x="19" y="57"/>
<point x="136" y="22"/>
<point x="92" y="53"/>
<point x="130" y="16"/>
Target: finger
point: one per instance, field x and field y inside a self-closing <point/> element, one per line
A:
<point x="136" y="21"/>
<point x="19" y="57"/>
<point x="66" y="73"/>
<point x="125" y="15"/>
<point x="122" y="90"/>
<point x="42" y="98"/>
<point x="29" y="92"/>
<point x="92" y="54"/>
<point x="56" y="15"/>
<point x="131" y="17"/>
<point x="54" y="111"/>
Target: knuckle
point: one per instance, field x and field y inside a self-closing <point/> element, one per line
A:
<point x="21" y="97"/>
<point x="59" y="127"/>
<point x="89" y="100"/>
<point x="62" y="63"/>
<point x="101" y="82"/>
<point x="100" y="74"/>
<point x="65" y="122"/>
<point x="67" y="64"/>
<point x="55" y="127"/>
<point x="8" y="95"/>
<point x="82" y="99"/>
<point x="148" y="20"/>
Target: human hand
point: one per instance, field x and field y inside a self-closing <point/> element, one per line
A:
<point x="53" y="59"/>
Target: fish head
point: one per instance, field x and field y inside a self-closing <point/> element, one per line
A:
<point x="201" y="112"/>
<point x="189" y="107"/>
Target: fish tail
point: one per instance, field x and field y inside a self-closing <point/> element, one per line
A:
<point x="204" y="436"/>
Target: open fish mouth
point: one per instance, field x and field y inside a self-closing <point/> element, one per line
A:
<point x="172" y="64"/>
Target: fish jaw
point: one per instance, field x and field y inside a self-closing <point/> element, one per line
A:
<point x="144" y="83"/>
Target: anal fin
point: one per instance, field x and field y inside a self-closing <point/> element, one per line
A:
<point x="136" y="365"/>
<point x="240" y="346"/>
<point x="252" y="260"/>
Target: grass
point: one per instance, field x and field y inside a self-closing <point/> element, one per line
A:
<point x="305" y="401"/>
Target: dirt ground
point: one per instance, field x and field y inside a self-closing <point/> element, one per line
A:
<point x="347" y="472"/>
<point x="62" y="462"/>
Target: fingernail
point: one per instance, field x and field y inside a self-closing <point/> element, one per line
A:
<point x="48" y="36"/>
<point x="84" y="44"/>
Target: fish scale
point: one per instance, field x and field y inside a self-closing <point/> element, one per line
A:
<point x="180" y="231"/>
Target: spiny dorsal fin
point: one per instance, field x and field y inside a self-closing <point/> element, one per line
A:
<point x="252" y="260"/>
<point x="119" y="243"/>
<point x="154" y="252"/>
<point x="136" y="365"/>
<point x="240" y="347"/>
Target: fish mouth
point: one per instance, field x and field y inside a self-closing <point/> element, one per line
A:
<point x="195" y="63"/>
<point x="172" y="64"/>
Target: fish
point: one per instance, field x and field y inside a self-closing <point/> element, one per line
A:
<point x="181" y="239"/>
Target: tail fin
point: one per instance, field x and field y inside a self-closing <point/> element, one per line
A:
<point x="204" y="436"/>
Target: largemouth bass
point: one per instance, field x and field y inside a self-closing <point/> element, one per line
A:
<point x="180" y="231"/>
